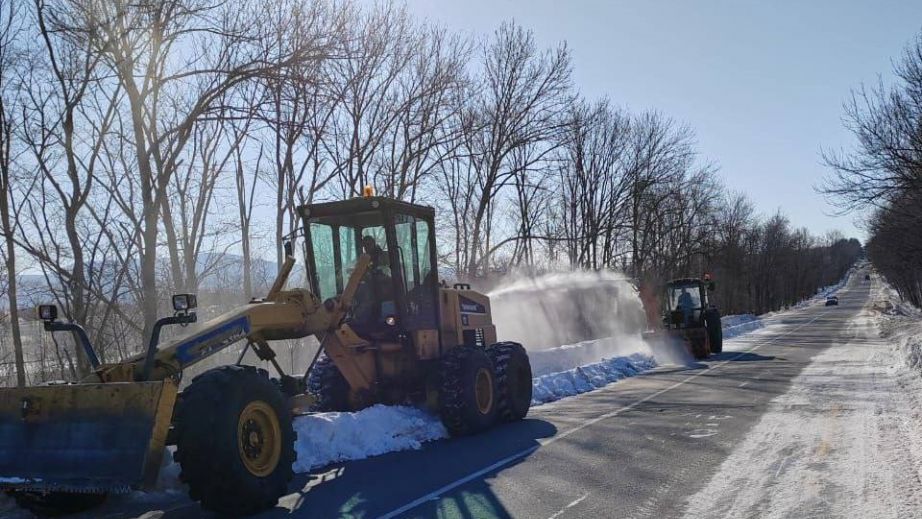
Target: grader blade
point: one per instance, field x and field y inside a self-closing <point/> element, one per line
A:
<point x="87" y="438"/>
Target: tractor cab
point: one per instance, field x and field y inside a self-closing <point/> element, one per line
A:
<point x="686" y="301"/>
<point x="398" y="294"/>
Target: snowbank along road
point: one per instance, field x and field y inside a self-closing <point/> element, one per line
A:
<point x="809" y="416"/>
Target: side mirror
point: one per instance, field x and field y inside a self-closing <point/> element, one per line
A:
<point x="47" y="312"/>
<point x="184" y="302"/>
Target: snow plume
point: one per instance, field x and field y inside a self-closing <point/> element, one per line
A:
<point x="572" y="308"/>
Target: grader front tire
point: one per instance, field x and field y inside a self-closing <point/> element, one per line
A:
<point x="234" y="440"/>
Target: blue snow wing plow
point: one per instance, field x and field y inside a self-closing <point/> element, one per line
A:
<point x="84" y="438"/>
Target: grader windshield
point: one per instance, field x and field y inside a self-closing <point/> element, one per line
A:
<point x="399" y="291"/>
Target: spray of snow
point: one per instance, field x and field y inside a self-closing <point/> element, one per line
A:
<point x="570" y="308"/>
<point x="567" y="307"/>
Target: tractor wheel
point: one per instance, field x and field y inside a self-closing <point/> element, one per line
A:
<point x="513" y="380"/>
<point x="234" y="440"/>
<point x="54" y="504"/>
<point x="328" y="386"/>
<point x="467" y="395"/>
<point x="715" y="332"/>
<point x="699" y="347"/>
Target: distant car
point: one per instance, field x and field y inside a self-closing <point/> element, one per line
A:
<point x="832" y="301"/>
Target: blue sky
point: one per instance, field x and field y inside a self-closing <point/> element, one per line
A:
<point x="761" y="83"/>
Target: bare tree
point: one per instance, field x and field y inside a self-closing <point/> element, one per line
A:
<point x="11" y="58"/>
<point x="518" y="104"/>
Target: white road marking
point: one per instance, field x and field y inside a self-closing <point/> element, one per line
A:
<point x="547" y="441"/>
<point x="569" y="506"/>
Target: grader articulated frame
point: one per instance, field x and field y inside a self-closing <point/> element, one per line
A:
<point x="388" y="330"/>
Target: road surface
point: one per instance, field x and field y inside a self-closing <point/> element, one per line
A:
<point x="702" y="441"/>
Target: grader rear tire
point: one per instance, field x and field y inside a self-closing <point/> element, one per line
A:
<point x="234" y="440"/>
<point x="467" y="395"/>
<point x="513" y="380"/>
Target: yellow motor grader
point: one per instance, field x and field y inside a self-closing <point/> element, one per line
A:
<point x="389" y="332"/>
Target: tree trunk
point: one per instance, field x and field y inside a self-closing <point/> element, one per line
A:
<point x="12" y="292"/>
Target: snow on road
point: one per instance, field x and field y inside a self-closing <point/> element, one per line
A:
<point x="844" y="441"/>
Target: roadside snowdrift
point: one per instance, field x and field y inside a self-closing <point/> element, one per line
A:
<point x="326" y="438"/>
<point x="582" y="379"/>
<point x="736" y="325"/>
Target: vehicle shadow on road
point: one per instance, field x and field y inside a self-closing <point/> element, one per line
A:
<point x="377" y="486"/>
<point x="746" y="356"/>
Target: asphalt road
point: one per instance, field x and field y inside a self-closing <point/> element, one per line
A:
<point x="637" y="448"/>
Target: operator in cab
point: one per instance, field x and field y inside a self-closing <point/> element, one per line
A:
<point x="374" y="299"/>
<point x="685" y="305"/>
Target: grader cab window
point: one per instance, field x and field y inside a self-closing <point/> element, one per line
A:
<point x="336" y="245"/>
<point x="419" y="279"/>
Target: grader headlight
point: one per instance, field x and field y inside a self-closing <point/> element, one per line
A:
<point x="47" y="312"/>
<point x="184" y="302"/>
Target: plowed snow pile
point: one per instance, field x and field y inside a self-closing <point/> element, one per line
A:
<point x="326" y="438"/>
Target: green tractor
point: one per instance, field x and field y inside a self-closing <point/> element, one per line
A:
<point x="690" y="316"/>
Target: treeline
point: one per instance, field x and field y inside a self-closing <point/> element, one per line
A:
<point x="147" y="145"/>
<point x="882" y="175"/>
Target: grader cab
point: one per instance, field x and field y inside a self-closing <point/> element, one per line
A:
<point x="389" y="332"/>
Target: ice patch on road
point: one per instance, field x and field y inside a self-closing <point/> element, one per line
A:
<point x="325" y="438"/>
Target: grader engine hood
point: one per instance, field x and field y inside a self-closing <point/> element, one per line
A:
<point x="87" y="438"/>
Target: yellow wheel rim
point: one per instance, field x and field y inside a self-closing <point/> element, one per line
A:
<point x="259" y="438"/>
<point x="483" y="390"/>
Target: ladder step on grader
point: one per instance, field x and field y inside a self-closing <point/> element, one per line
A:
<point x="389" y="332"/>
